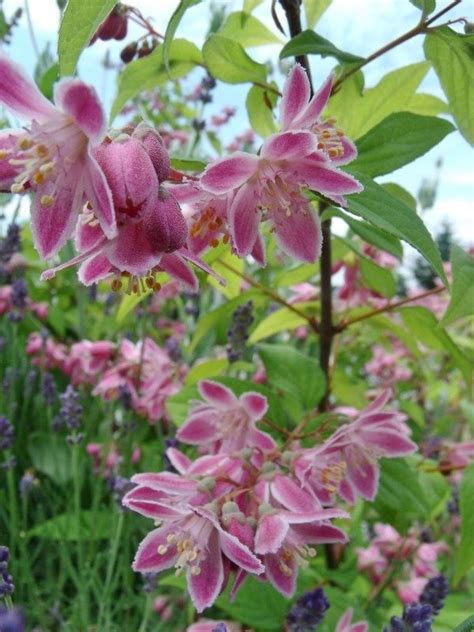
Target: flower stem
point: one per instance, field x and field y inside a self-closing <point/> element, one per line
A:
<point x="105" y="597"/>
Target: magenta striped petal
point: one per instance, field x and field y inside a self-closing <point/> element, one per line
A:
<point x="81" y="103"/>
<point x="271" y="532"/>
<point x="240" y="554"/>
<point x="295" y="96"/>
<point x="289" y="146"/>
<point x="147" y="558"/>
<point x="229" y="173"/>
<point x="94" y="269"/>
<point x="205" y="587"/>
<point x="244" y="219"/>
<point x="217" y="394"/>
<point x="310" y="115"/>
<point x="283" y="582"/>
<point x="255" y="404"/>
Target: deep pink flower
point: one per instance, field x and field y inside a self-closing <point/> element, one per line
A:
<point x="268" y="187"/>
<point x="226" y="423"/>
<point x="86" y="360"/>
<point x="53" y="157"/>
<point x="345" y="623"/>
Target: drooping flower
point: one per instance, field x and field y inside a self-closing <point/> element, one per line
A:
<point x="53" y="156"/>
<point x="224" y="422"/>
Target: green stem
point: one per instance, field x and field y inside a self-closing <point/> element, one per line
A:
<point x="105" y="597"/>
<point x="146" y="614"/>
<point x="77" y="517"/>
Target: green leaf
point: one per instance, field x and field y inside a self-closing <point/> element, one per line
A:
<point x="356" y="113"/>
<point x="398" y="140"/>
<point x="402" y="194"/>
<point x="249" y="5"/>
<point x="247" y="30"/>
<point x="452" y="56"/>
<point x="379" y="279"/>
<point x="233" y="279"/>
<point x="228" y="61"/>
<point x="149" y="72"/>
<point x="387" y="212"/>
<point x="462" y="289"/>
<point x="173" y="24"/>
<point x="295" y="275"/>
<point x="372" y="235"/>
<point x="93" y="525"/>
<point x="310" y="43"/>
<point x="427" y="105"/>
<point x="130" y="301"/>
<point x="426" y="6"/>
<point x="259" y="105"/>
<point x="80" y="21"/>
<point x="206" y="369"/>
<point x="294" y="373"/>
<point x="282" y="319"/>
<point x="465" y="626"/>
<point x="314" y="9"/>
<point x="465" y="552"/>
<point x="424" y="326"/>
<point x="51" y="456"/>
<point x="185" y="164"/>
<point x="48" y="79"/>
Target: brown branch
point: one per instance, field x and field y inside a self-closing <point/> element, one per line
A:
<point x="273" y="295"/>
<point x="387" y="308"/>
<point x="292" y="10"/>
<point x="420" y="28"/>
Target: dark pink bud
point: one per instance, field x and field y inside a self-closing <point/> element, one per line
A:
<point x="165" y="225"/>
<point x="155" y="149"/>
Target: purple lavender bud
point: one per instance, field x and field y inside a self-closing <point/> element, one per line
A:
<point x="220" y="627"/>
<point x="308" y="611"/>
<point x="4" y="554"/>
<point x="435" y="592"/>
<point x="19" y="293"/>
<point x="48" y="389"/>
<point x="238" y="332"/>
<point x="26" y="484"/>
<point x="6" y="434"/>
<point x="173" y="348"/>
<point x="11" y="620"/>
<point x="10" y="244"/>
<point x="70" y="409"/>
<point x="119" y="486"/>
<point x="416" y="618"/>
<point x="125" y="396"/>
<point x="8" y="464"/>
<point x="150" y="582"/>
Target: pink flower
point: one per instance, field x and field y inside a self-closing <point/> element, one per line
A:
<point x="224" y="422"/>
<point x="348" y="461"/>
<point x="53" y="157"/>
<point x="345" y="623"/>
<point x="209" y="625"/>
<point x="410" y="591"/>
<point x="86" y="360"/>
<point x="268" y="187"/>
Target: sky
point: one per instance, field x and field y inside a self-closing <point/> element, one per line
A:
<point x="358" y="26"/>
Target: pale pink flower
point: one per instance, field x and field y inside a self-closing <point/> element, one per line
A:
<point x="225" y="423"/>
<point x="410" y="591"/>
<point x="345" y="623"/>
<point x="46" y="353"/>
<point x="209" y="625"/>
<point x="457" y="455"/>
<point x="52" y="157"/>
<point x="386" y="368"/>
<point x="86" y="360"/>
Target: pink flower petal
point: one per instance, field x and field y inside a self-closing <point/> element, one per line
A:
<point x="146" y="501"/>
<point x="345" y="621"/>
<point x="299" y="235"/>
<point x="258" y="251"/>
<point x="310" y="115"/>
<point x="197" y="430"/>
<point x="349" y="152"/>
<point x="94" y="269"/>
<point x="289" y="146"/>
<point x="81" y="103"/>
<point x="284" y="583"/>
<point x="255" y="404"/>
<point x="389" y="443"/>
<point x="239" y="553"/>
<point x="380" y="401"/>
<point x="271" y="532"/>
<point x="364" y="476"/>
<point x="327" y="180"/>
<point x="131" y="251"/>
<point x="217" y="394"/>
<point x="178" y="460"/>
<point x="176" y="267"/>
<point x="53" y="225"/>
<point x="244" y="220"/>
<point x="260" y="440"/>
<point x="99" y="195"/>
<point x="165" y="481"/>
<point x="320" y="533"/>
<point x="20" y="95"/>
<point x="87" y="236"/>
<point x="164" y="223"/>
<point x="295" y="96"/>
<point x="147" y="558"/>
<point x="205" y="587"/>
<point x="192" y="258"/>
<point x="293" y="497"/>
<point x="229" y="173"/>
<point x="361" y="626"/>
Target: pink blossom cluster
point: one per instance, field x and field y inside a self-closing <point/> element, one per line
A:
<point x="385" y="367"/>
<point x="388" y="548"/>
<point x="40" y="310"/>
<point x="143" y="370"/>
<point x="109" y="189"/>
<point x="247" y="505"/>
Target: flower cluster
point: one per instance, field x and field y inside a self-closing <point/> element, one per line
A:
<point x="245" y="504"/>
<point x="131" y="223"/>
<point x="419" y="560"/>
<point x="142" y="373"/>
<point x="14" y="299"/>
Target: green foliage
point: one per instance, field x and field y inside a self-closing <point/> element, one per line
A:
<point x="247" y="30"/>
<point x="358" y="112"/>
<point x="283" y="319"/>
<point x="452" y="57"/>
<point x="150" y="72"/>
<point x="227" y="60"/>
<point x="387" y="212"/>
<point x="314" y="10"/>
<point x="50" y="455"/>
<point x="259" y="109"/>
<point x="372" y="235"/>
<point x="310" y="43"/>
<point x="426" y="6"/>
<point x="173" y="24"/>
<point x="94" y="525"/>
<point x="465" y="552"/>
<point x="398" y="140"/>
<point x="462" y="289"/>
<point x="80" y="21"/>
